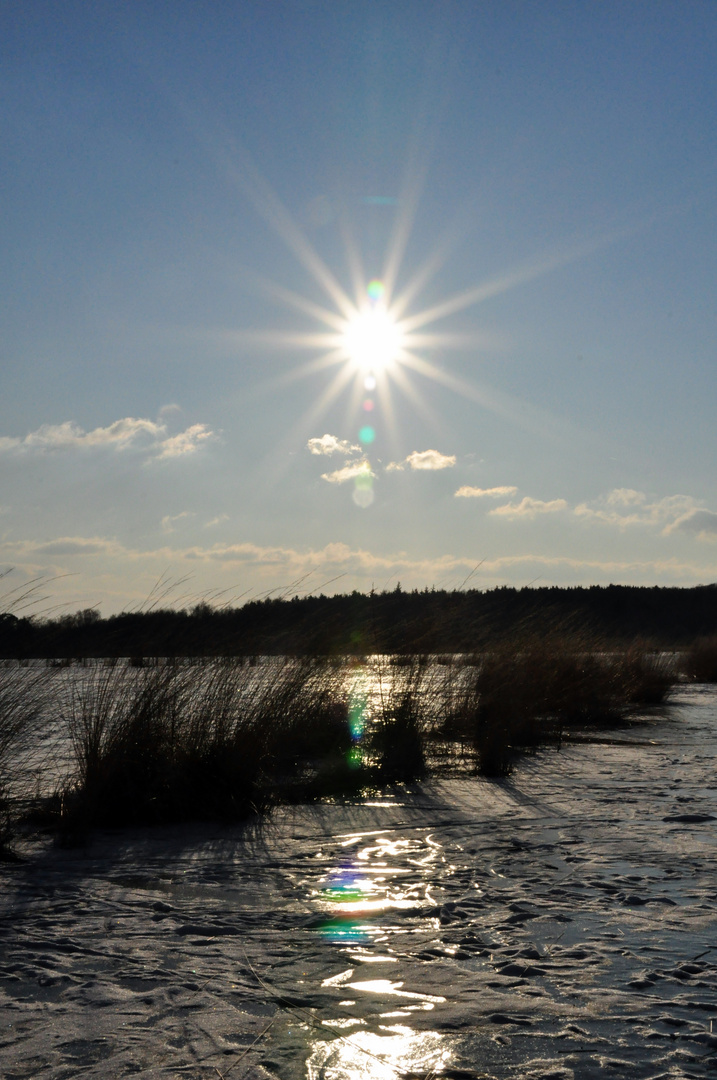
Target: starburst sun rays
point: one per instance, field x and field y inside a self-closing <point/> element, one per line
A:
<point x="379" y="338"/>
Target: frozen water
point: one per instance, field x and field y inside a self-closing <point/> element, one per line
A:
<point x="557" y="924"/>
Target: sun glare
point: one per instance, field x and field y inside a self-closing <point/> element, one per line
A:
<point x="372" y="339"/>
<point x="376" y="338"/>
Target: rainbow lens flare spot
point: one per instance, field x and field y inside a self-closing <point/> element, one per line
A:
<point x="362" y="494"/>
<point x="376" y="289"/>
<point x="357" y="718"/>
<point x="354" y="758"/>
<point x="367" y="434"/>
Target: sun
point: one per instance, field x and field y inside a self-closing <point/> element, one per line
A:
<point x="372" y="339"/>
<point x="373" y="335"/>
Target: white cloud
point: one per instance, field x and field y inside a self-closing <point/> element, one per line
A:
<point x="529" y="508"/>
<point x="69" y="435"/>
<point x="329" y="444"/>
<point x="169" y="520"/>
<point x="122" y="434"/>
<point x="484" y="493"/>
<point x="185" y="443"/>
<point x="625" y="497"/>
<point x="218" y="520"/>
<point x="350" y="471"/>
<point x="625" y="507"/>
<point x="424" y="460"/>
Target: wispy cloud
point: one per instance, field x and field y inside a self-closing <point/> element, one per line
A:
<point x="71" y="545"/>
<point x="428" y="460"/>
<point x="218" y="520"/>
<point x="350" y="471"/>
<point x="170" y="520"/>
<point x="625" y="507"/>
<point x="129" y="432"/>
<point x="185" y="443"/>
<point x="69" y="435"/>
<point x="330" y="444"/>
<point x="485" y="493"/>
<point x="286" y="563"/>
<point x="701" y="522"/>
<point x="529" y="508"/>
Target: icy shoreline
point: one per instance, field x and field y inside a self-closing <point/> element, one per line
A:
<point x="558" y="924"/>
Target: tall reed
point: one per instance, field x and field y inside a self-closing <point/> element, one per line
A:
<point x="23" y="697"/>
<point x="700" y="660"/>
<point x="396" y="737"/>
<point x="226" y="738"/>
<point x="218" y="739"/>
<point x="523" y="694"/>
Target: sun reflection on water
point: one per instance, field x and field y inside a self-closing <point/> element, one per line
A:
<point x="378" y="890"/>
<point x="385" y="874"/>
<point x="392" y="1051"/>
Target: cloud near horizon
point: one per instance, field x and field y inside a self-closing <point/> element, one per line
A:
<point x="529" y="508"/>
<point x="132" y="572"/>
<point x="625" y="507"/>
<point x="330" y="444"/>
<point x="703" y="523"/>
<point x="621" y="507"/>
<point x="129" y="432"/>
<point x="427" y="460"/>
<point x="484" y="493"/>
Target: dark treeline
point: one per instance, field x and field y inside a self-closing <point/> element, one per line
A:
<point x="387" y="622"/>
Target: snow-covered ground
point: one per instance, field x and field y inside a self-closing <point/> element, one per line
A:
<point x="557" y="924"/>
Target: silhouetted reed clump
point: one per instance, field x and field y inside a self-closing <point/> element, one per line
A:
<point x="164" y="741"/>
<point x="221" y="739"/>
<point x="396" y="737"/>
<point x="700" y="661"/>
<point x="23" y="696"/>
<point x="526" y="694"/>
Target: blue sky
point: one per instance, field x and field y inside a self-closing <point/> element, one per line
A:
<point x="196" y="197"/>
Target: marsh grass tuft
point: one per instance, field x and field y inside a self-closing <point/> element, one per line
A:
<point x="700" y="661"/>
<point x="397" y="736"/>
<point x="166" y="741"/>
<point x="23" y="697"/>
<point x="220" y="739"/>
<point x="525" y="694"/>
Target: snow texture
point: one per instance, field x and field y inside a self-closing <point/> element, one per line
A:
<point x="556" y="925"/>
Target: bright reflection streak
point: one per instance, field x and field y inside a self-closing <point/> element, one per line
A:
<point x="387" y="873"/>
<point x="385" y="986"/>
<point x="390" y="1052"/>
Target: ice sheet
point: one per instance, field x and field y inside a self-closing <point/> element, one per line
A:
<point x="557" y="924"/>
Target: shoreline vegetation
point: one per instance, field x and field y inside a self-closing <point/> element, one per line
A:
<point x="154" y="737"/>
<point x="176" y="740"/>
